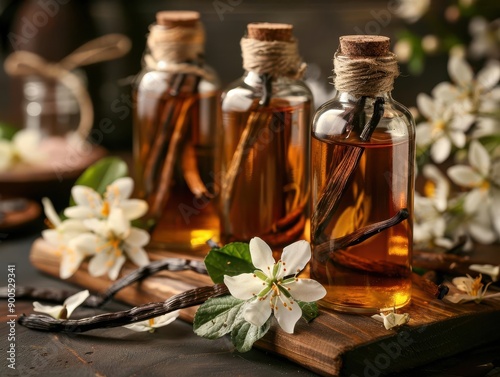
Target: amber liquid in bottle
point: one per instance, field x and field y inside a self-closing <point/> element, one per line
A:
<point x="270" y="191"/>
<point x="376" y="273"/>
<point x="179" y="219"/>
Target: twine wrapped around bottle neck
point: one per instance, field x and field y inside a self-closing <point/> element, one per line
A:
<point x="171" y="49"/>
<point x="276" y="58"/>
<point x="365" y="75"/>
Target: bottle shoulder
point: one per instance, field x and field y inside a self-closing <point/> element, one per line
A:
<point x="340" y="120"/>
<point x="242" y="93"/>
<point x="160" y="81"/>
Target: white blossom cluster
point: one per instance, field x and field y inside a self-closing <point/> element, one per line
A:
<point x="98" y="227"/>
<point x="460" y="136"/>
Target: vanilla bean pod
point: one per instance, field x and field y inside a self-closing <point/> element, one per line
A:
<point x="342" y="174"/>
<point x="182" y="300"/>
<point x="95" y="301"/>
<point x="328" y="247"/>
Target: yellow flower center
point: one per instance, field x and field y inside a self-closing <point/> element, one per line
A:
<point x="476" y="286"/>
<point x="429" y="189"/>
<point x="105" y="209"/>
<point x="485" y="185"/>
<point x="151" y="322"/>
<point x="438" y="127"/>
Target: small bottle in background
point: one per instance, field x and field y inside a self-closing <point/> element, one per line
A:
<point x="264" y="141"/>
<point x="176" y="104"/>
<point x="363" y="151"/>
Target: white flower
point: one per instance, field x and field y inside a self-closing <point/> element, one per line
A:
<point x="24" y="147"/>
<point x="483" y="200"/>
<point x="485" y="38"/>
<point x="487" y="269"/>
<point x="472" y="94"/>
<point x="473" y="288"/>
<point x="274" y="286"/>
<point x="412" y="10"/>
<point x="442" y="127"/>
<point x="113" y="239"/>
<point x="91" y="204"/>
<point x="392" y="319"/>
<point x="62" y="311"/>
<point x="153" y="323"/>
<point x="62" y="238"/>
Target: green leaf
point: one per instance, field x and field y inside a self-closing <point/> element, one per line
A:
<point x="244" y="334"/>
<point x="309" y="310"/>
<point x="217" y="316"/>
<point x="232" y="259"/>
<point x="7" y="131"/>
<point x="99" y="175"/>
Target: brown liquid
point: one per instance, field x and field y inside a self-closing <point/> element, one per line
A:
<point x="379" y="188"/>
<point x="179" y="220"/>
<point x="271" y="188"/>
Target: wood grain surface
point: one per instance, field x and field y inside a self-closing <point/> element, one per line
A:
<point x="334" y="343"/>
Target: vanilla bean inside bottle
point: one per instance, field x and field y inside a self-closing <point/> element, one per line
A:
<point x="362" y="183"/>
<point x="176" y="105"/>
<point x="264" y="156"/>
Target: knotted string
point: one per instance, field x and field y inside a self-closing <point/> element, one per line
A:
<point x="108" y="47"/>
<point x="171" y="48"/>
<point x="365" y="75"/>
<point x="276" y="58"/>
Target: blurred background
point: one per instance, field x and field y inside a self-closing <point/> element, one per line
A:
<point x="426" y="32"/>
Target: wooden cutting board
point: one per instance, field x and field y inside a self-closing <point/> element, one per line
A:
<point x="334" y="344"/>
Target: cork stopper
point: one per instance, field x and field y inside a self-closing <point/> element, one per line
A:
<point x="173" y="18"/>
<point x="265" y="31"/>
<point x="364" y="45"/>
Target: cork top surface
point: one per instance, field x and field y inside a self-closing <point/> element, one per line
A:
<point x="173" y="18"/>
<point x="265" y="31"/>
<point x="364" y="45"/>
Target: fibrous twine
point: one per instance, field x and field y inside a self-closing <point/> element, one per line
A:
<point x="365" y="76"/>
<point x="169" y="49"/>
<point x="276" y="58"/>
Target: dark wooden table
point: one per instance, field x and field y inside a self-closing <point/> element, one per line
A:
<point x="171" y="351"/>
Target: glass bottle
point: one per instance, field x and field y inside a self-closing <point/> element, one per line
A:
<point x="265" y="138"/>
<point x="176" y="102"/>
<point x="363" y="150"/>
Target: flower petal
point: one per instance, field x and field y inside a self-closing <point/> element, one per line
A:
<point x="287" y="313"/>
<point x="479" y="158"/>
<point x="244" y="286"/>
<point x="117" y="223"/>
<point x="114" y="271"/>
<point x="426" y="106"/>
<point x="53" y="311"/>
<point x="460" y="71"/>
<point x="79" y="212"/>
<point x="85" y="243"/>
<point x="101" y="263"/>
<point x="262" y="255"/>
<point x="138" y="237"/>
<point x="72" y="302"/>
<point x="70" y="261"/>
<point x="424" y="134"/>
<point x="495" y="214"/>
<point x="459" y="298"/>
<point x="165" y="319"/>
<point x="464" y="175"/>
<point x="306" y="290"/>
<point x="441" y="149"/>
<point x="119" y="190"/>
<point x="473" y="200"/>
<point x="257" y="312"/>
<point x="295" y="257"/>
<point x="87" y="197"/>
<point x="136" y="254"/>
<point x="489" y="76"/>
<point x="134" y="208"/>
<point x="27" y="145"/>
<point x="50" y="212"/>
